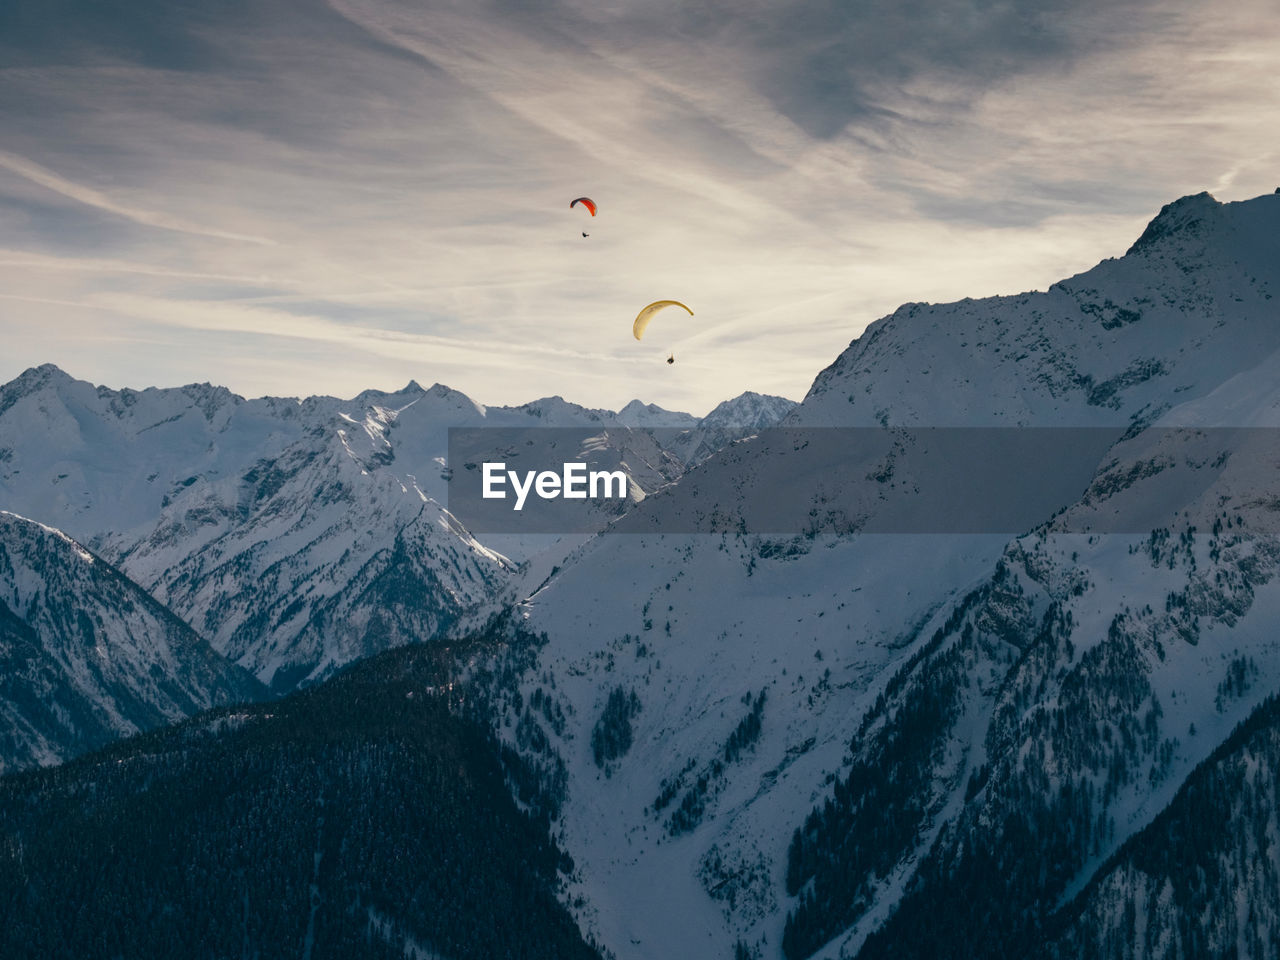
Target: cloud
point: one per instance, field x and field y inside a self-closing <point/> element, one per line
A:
<point x="252" y="318"/>
<point x="28" y="261"/>
<point x="100" y="201"/>
<point x="792" y="171"/>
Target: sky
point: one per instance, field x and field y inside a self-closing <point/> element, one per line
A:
<point x="297" y="197"/>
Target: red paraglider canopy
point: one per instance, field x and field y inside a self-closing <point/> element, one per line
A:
<point x="586" y="202"/>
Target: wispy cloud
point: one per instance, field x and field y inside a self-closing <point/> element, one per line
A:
<point x="100" y="201"/>
<point x="342" y="194"/>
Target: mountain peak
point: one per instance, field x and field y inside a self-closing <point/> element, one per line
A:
<point x="637" y="413"/>
<point x="35" y="377"/>
<point x="557" y="406"/>
<point x="29" y="381"/>
<point x="1183" y="214"/>
<point x="412" y="390"/>
<point x="439" y="391"/>
<point x="750" y="409"/>
<point x="638" y="406"/>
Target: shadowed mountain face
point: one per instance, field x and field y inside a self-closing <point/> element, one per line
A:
<point x="87" y="656"/>
<point x="954" y="731"/>
<point x="360" y="819"/>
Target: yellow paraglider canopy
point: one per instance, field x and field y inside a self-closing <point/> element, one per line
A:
<point x="645" y="315"/>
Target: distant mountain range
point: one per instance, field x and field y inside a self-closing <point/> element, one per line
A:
<point x="295" y="536"/>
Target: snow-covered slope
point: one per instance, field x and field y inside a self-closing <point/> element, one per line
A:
<point x="310" y="561"/>
<point x="98" y="462"/>
<point x="284" y="531"/>
<point x="1087" y="677"/>
<point x="902" y="686"/>
<point x="1189" y="306"/>
<point x="86" y="656"/>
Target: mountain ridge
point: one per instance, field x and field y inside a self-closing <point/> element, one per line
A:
<point x="88" y="655"/>
<point x="931" y="637"/>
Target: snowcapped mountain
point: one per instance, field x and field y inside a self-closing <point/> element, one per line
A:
<point x="637" y="413"/>
<point x="1107" y="667"/>
<point x="749" y="409"/>
<point x="280" y="527"/>
<point x="1189" y="306"/>
<point x="311" y="560"/>
<point x="805" y="746"/>
<point x="103" y="464"/>
<point x="99" y="463"/>
<point x="295" y="535"/>
<point x="86" y="656"/>
<point x="729" y="421"/>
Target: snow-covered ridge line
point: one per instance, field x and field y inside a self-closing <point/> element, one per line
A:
<point x="287" y="531"/>
<point x="76" y="548"/>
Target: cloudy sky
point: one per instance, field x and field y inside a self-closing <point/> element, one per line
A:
<point x="299" y="196"/>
